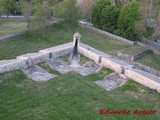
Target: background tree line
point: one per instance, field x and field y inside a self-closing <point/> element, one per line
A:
<point x="126" y="18"/>
<point x="111" y="18"/>
<point x="40" y="13"/>
<point x="137" y="19"/>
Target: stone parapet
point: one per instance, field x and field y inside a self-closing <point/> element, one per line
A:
<point x="106" y="60"/>
<point x="144" y="78"/>
<point x="29" y="60"/>
<point x="9" y="65"/>
<point x="58" y="51"/>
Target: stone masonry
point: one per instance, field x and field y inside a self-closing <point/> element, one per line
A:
<point x="29" y="61"/>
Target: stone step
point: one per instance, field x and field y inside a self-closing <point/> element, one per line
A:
<point x="36" y="73"/>
<point x="111" y="82"/>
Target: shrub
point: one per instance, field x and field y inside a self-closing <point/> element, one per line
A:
<point x="127" y="21"/>
<point x="105" y="15"/>
<point x="109" y="18"/>
<point x="69" y="12"/>
<point x="97" y="12"/>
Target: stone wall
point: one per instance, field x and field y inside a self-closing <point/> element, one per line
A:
<point x="108" y="34"/>
<point x="155" y="50"/>
<point x="34" y="58"/>
<point x="142" y="77"/>
<point x="28" y="60"/>
<point x="119" y="66"/>
<point x="8" y="65"/>
<point x="106" y="60"/>
<point x="133" y="57"/>
<point x="141" y="54"/>
<point x="155" y="45"/>
<point x="124" y="56"/>
<point x="148" y="69"/>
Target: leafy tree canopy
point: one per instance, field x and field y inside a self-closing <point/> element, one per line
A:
<point x="105" y="15"/>
<point x="127" y="21"/>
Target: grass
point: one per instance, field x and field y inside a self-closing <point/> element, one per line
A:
<point x="82" y="61"/>
<point x="71" y="96"/>
<point x="150" y="60"/>
<point x="32" y="42"/>
<point x="10" y="26"/>
<point x="134" y="50"/>
<point x="66" y="58"/>
<point x="45" y="66"/>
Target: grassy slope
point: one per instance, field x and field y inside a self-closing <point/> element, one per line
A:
<point x="134" y="50"/>
<point x="10" y="26"/>
<point x="33" y="42"/>
<point x="71" y="97"/>
<point x="151" y="60"/>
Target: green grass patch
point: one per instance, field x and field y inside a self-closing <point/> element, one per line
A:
<point x="130" y="85"/>
<point x="33" y="42"/>
<point x="134" y="50"/>
<point x="150" y="60"/>
<point x="69" y="97"/>
<point x="82" y="61"/>
<point x="45" y="66"/>
<point x="10" y="26"/>
<point x="66" y="58"/>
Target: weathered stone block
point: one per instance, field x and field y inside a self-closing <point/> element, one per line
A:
<point x="8" y="65"/>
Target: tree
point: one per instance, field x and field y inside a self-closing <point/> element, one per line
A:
<point x="27" y="9"/>
<point x="1" y="8"/>
<point x="7" y="6"/>
<point x="127" y="21"/>
<point x="105" y="15"/>
<point x="68" y="11"/>
<point x="86" y="7"/>
<point x="41" y="17"/>
<point x="97" y="10"/>
<point x="109" y="18"/>
<point x="1" y="12"/>
<point x="121" y="3"/>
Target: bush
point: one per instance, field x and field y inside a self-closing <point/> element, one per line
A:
<point x="127" y="21"/>
<point x="69" y="12"/>
<point x="105" y="15"/>
<point x="97" y="10"/>
<point x="109" y="20"/>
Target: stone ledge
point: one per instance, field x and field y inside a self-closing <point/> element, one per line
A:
<point x="57" y="48"/>
<point x="31" y="59"/>
<point x="34" y="58"/>
<point x="9" y="65"/>
<point x="106" y="60"/>
<point x="144" y="78"/>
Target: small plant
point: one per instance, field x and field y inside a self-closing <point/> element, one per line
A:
<point x="149" y="31"/>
